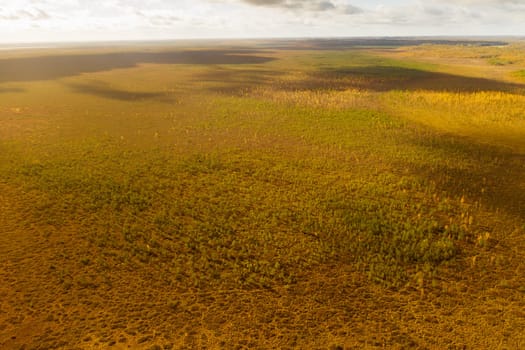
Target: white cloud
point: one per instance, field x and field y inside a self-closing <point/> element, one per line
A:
<point x="487" y="2"/>
<point x="164" y="19"/>
<point x="32" y="14"/>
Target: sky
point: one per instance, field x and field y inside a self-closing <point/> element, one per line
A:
<point x="24" y="21"/>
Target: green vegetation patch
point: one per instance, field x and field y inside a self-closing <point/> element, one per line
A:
<point x="283" y="190"/>
<point x="520" y="74"/>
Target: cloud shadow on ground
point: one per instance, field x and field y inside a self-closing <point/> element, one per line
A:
<point x="369" y="78"/>
<point x="493" y="178"/>
<point x="59" y="66"/>
<point x="387" y="78"/>
<point x="100" y="89"/>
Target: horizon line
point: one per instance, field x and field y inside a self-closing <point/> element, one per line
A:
<point x="37" y="44"/>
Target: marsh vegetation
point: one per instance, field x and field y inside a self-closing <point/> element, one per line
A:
<point x="267" y="196"/>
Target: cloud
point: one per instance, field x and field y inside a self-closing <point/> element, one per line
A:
<point x="115" y="19"/>
<point x="325" y="5"/>
<point x="265" y="2"/>
<point x="160" y="19"/>
<point x="498" y="5"/>
<point x="307" y="5"/>
<point x="32" y="15"/>
<point x="486" y="2"/>
<point x="352" y="10"/>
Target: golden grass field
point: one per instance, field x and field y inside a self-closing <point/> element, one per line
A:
<point x="263" y="195"/>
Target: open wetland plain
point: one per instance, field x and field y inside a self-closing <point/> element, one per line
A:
<point x="287" y="194"/>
